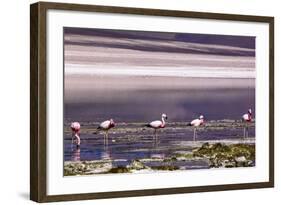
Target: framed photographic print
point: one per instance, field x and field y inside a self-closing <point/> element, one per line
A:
<point x="134" y="102"/>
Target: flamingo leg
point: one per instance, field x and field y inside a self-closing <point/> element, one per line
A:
<point x="154" y="135"/>
<point x="106" y="138"/>
<point x="104" y="141"/>
<point x="74" y="138"/>
<point x="247" y="131"/>
<point x="194" y="134"/>
<point x="244" y="132"/>
<point x="72" y="141"/>
<point x="77" y="140"/>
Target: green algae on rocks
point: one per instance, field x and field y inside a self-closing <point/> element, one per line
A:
<point x="221" y="155"/>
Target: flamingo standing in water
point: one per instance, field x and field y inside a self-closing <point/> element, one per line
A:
<point x="157" y="124"/>
<point x="196" y="123"/>
<point x="75" y="127"/>
<point x="106" y="126"/>
<point x="247" y="118"/>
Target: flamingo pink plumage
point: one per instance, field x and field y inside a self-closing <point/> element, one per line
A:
<point x="247" y="118"/>
<point x="196" y="123"/>
<point x="106" y="126"/>
<point x="75" y="127"/>
<point x="157" y="124"/>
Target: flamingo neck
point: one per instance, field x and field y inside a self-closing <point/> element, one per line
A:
<point x="163" y="121"/>
<point x="249" y="116"/>
<point x="77" y="139"/>
<point x="75" y="133"/>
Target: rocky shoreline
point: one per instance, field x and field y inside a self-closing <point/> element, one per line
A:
<point x="207" y="155"/>
<point x="227" y="156"/>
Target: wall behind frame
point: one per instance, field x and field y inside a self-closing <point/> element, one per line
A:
<point x="14" y="103"/>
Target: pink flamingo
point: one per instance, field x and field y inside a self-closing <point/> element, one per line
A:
<point x="247" y="118"/>
<point x="196" y="123"/>
<point x="75" y="127"/>
<point x="106" y="126"/>
<point x="157" y="124"/>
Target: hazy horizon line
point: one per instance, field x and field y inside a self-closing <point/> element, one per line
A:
<point x="195" y="71"/>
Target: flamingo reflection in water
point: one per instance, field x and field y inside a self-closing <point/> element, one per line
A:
<point x="75" y="154"/>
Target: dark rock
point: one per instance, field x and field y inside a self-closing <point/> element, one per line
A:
<point x="119" y="170"/>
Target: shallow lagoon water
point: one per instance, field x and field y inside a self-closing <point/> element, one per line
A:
<point x="129" y="142"/>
